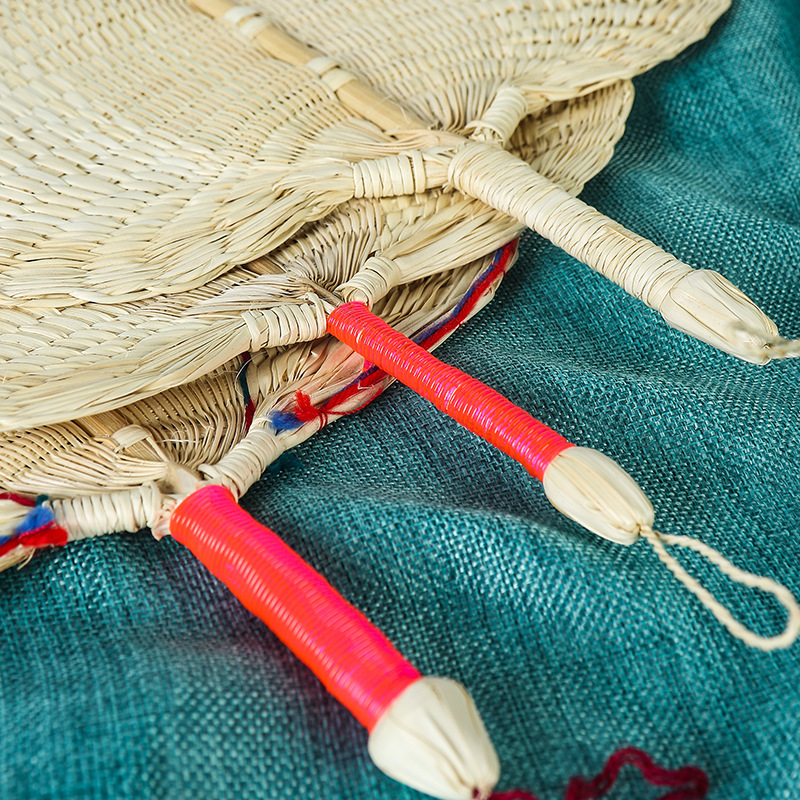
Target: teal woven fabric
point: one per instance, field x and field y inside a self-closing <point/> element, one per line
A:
<point x="131" y="673"/>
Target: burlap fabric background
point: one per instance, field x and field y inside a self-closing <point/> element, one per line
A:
<point x="130" y="673"/>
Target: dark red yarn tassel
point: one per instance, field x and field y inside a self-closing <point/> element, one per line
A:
<point x="689" y="783"/>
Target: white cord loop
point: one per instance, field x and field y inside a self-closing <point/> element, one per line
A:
<point x="723" y="615"/>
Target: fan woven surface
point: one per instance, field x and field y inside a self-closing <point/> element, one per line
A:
<point x="164" y="215"/>
<point x="150" y="150"/>
<point x="117" y="469"/>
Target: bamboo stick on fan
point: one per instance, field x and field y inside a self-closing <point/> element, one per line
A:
<point x="700" y="302"/>
<point x="98" y="253"/>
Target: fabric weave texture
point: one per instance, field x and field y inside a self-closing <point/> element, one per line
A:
<point x="132" y="673"/>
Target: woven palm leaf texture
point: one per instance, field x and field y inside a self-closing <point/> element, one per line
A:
<point x="117" y="469"/>
<point x="175" y="196"/>
<point x="192" y="194"/>
<point x="172" y="708"/>
<point x="183" y="184"/>
<point x="157" y="150"/>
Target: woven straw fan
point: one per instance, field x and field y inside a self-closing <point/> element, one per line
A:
<point x="175" y="197"/>
<point x="127" y="188"/>
<point x="473" y="75"/>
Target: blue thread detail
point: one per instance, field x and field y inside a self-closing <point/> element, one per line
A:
<point x="36" y="518"/>
<point x="420" y="338"/>
<point x="284" y="421"/>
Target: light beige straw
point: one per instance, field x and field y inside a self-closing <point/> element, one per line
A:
<point x="83" y="358"/>
<point x="123" y="191"/>
<point x="703" y="303"/>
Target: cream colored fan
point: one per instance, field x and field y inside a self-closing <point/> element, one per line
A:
<point x="150" y="150"/>
<point x="190" y="202"/>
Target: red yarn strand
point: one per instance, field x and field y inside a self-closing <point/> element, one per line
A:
<point x="47" y="536"/>
<point x="305" y="412"/>
<point x="20" y="499"/>
<point x="690" y="783"/>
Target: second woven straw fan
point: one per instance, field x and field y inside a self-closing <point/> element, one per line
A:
<point x="192" y="197"/>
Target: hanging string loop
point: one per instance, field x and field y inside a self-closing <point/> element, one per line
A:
<point x="660" y="541"/>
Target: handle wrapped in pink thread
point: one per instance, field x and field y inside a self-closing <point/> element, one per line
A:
<point x="357" y="664"/>
<point x="468" y="401"/>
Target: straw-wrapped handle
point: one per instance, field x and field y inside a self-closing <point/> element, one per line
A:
<point x="701" y="303"/>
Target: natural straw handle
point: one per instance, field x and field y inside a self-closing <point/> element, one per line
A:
<point x="507" y="183"/>
<point x="701" y="303"/>
<point x="357" y="664"/>
<point x="468" y="401"/>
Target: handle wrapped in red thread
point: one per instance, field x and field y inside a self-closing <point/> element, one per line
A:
<point x="468" y="401"/>
<point x="357" y="664"/>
